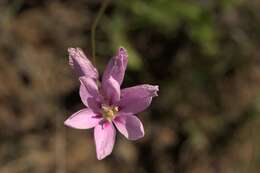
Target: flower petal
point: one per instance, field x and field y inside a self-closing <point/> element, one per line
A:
<point x="116" y="67"/>
<point x="83" y="119"/>
<point x="130" y="126"/>
<point x="84" y="94"/>
<point x="111" y="90"/>
<point x="89" y="93"/>
<point x="81" y="64"/>
<point x="138" y="98"/>
<point x="105" y="135"/>
<point x="90" y="86"/>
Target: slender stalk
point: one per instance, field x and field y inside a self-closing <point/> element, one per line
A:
<point x="94" y="26"/>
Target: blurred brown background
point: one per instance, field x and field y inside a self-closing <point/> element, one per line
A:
<point x="204" y="54"/>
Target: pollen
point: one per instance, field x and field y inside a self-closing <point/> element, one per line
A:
<point x="109" y="112"/>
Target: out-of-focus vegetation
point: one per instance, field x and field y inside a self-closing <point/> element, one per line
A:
<point x="203" y="54"/>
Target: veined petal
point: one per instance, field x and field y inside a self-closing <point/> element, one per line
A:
<point x="105" y="135"/>
<point x="138" y="98"/>
<point x="89" y="93"/>
<point x="84" y="94"/>
<point x="111" y="90"/>
<point x="116" y="67"/>
<point x="90" y="86"/>
<point x="83" y="119"/>
<point x="81" y="64"/>
<point x="130" y="126"/>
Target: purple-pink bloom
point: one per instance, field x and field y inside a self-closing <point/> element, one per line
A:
<point x="108" y="106"/>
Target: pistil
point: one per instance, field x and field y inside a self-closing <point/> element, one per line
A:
<point x="109" y="112"/>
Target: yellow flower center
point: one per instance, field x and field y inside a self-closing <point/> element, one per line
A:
<point x="109" y="112"/>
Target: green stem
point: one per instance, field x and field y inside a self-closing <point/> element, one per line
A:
<point x="94" y="26"/>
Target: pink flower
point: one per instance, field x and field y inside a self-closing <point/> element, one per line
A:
<point x="107" y="106"/>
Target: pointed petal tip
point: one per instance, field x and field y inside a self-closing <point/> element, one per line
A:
<point x="67" y="123"/>
<point x="74" y="50"/>
<point x="83" y="119"/>
<point x="156" y="89"/>
<point x="122" y="49"/>
<point x="122" y="55"/>
<point x="153" y="89"/>
<point x="101" y="157"/>
<point x="71" y="49"/>
<point x="81" y="64"/>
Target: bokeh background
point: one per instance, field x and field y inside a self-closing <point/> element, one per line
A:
<point x="204" y="55"/>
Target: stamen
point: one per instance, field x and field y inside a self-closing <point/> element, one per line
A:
<point x="109" y="112"/>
